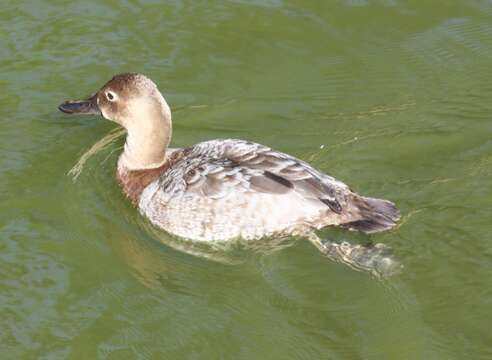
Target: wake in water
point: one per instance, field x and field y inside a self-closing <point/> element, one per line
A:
<point x="100" y="145"/>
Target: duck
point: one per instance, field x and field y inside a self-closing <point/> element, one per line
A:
<point x="221" y="189"/>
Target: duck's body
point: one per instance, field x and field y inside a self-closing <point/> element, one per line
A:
<point x="221" y="189"/>
<point x="226" y="189"/>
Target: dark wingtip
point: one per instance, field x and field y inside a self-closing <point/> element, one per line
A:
<point x="334" y="205"/>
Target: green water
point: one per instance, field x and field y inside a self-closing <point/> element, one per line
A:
<point x="391" y="97"/>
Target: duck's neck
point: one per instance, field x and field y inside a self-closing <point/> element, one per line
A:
<point x="148" y="138"/>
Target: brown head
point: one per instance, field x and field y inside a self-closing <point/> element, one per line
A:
<point x="124" y="99"/>
<point x="133" y="101"/>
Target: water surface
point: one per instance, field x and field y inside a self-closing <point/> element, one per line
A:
<point x="391" y="97"/>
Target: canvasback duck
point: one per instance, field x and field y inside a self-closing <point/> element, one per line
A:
<point x="221" y="189"/>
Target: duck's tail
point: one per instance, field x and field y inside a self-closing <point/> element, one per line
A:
<point x="374" y="215"/>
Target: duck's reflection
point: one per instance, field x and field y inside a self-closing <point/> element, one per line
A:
<point x="158" y="259"/>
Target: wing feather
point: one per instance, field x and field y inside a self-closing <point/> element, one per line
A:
<point x="218" y="167"/>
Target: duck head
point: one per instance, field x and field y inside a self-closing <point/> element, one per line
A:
<point x="128" y="99"/>
<point x="133" y="101"/>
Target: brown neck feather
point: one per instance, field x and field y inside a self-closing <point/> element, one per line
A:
<point x="133" y="182"/>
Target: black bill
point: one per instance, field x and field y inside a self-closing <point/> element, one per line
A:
<point x="87" y="106"/>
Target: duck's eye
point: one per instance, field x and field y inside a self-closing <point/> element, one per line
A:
<point x="111" y="96"/>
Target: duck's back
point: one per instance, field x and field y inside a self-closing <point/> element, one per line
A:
<point x="224" y="189"/>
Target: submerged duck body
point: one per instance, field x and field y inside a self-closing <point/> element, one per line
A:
<point x="221" y="189"/>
